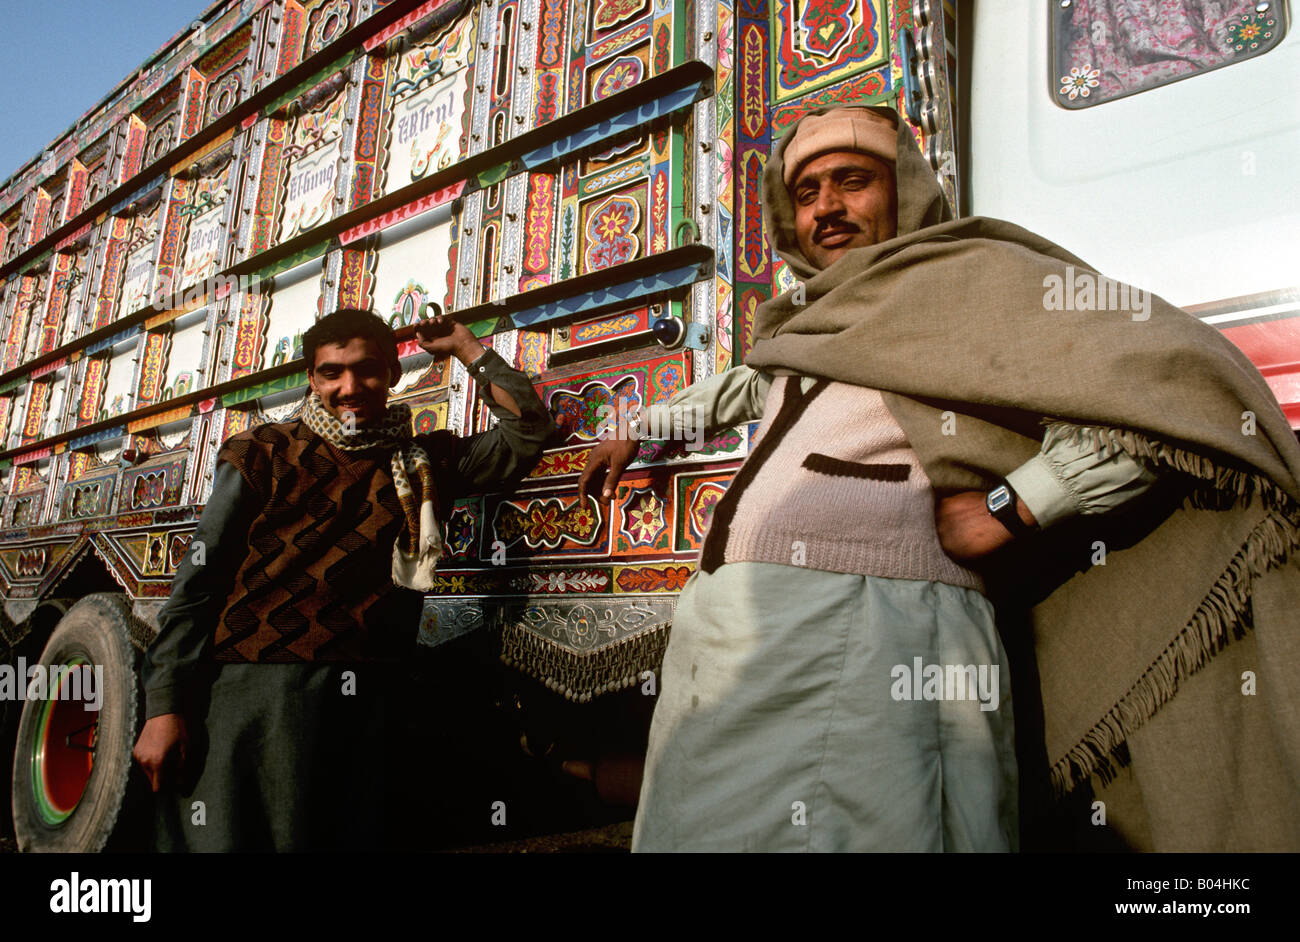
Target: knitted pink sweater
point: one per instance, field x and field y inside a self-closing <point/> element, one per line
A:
<point x="832" y="485"/>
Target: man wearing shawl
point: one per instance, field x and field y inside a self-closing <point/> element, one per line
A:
<point x="812" y="696"/>
<point x="279" y="647"/>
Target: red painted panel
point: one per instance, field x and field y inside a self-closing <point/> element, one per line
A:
<point x="1274" y="347"/>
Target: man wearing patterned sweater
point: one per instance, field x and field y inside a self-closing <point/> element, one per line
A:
<point x="834" y="679"/>
<point x="269" y="689"/>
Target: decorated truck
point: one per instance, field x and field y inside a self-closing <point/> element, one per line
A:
<point x="580" y="184"/>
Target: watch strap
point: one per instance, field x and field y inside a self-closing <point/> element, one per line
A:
<point x="1001" y="505"/>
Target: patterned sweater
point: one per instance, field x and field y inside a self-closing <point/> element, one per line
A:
<point x="315" y="582"/>
<point x="839" y="489"/>
<point x="301" y="607"/>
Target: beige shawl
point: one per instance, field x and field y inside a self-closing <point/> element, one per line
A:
<point x="953" y="319"/>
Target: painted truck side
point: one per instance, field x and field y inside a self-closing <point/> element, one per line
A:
<point x="562" y="177"/>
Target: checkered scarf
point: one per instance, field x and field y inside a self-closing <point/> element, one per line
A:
<point x="419" y="545"/>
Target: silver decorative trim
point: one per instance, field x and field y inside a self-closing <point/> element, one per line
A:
<point x="704" y="293"/>
<point x="511" y="254"/>
<point x="471" y="216"/>
<point x="333" y="274"/>
<point x="521" y="95"/>
<point x="580" y="625"/>
<point x="486" y="40"/>
<point x="457" y="397"/>
<point x="444" y="621"/>
<point x="252" y="176"/>
<point x="589" y="624"/>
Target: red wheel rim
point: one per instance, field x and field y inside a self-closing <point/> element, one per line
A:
<point x="63" y="754"/>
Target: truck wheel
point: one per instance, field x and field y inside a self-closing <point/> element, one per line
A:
<point x="72" y="760"/>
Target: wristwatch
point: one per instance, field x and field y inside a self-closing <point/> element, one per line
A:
<point x="1001" y="504"/>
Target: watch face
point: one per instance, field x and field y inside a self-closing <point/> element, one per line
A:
<point x="998" y="498"/>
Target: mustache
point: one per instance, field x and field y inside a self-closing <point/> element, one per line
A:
<point x="836" y="225"/>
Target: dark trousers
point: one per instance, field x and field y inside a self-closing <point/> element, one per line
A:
<point x="288" y="757"/>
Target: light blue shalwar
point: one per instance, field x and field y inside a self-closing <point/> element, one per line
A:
<point x="788" y="716"/>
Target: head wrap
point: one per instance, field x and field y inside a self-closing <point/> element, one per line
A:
<point x="852" y="129"/>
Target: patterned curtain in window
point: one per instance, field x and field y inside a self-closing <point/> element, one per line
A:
<point x="1107" y="48"/>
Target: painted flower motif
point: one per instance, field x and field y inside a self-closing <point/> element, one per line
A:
<point x="645" y="520"/>
<point x="1249" y="32"/>
<point x="675" y="578"/>
<point x="609" y="13"/>
<point x="1079" y="82"/>
<point x="724" y="167"/>
<point x="581" y="522"/>
<point x="702" y="510"/>
<point x="543" y="524"/>
<point x="622" y="76"/>
<point x="725" y="60"/>
<point x="614" y="221"/>
<point x="610" y="233"/>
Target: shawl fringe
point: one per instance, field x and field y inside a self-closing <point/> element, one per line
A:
<point x="1226" y="607"/>
<point x="1226" y="482"/>
<point x="583" y="675"/>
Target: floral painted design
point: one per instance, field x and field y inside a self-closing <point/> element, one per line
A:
<point x="702" y="505"/>
<point x="1129" y="46"/>
<point x="643" y="519"/>
<point x="1080" y="82"/>
<point x="545" y="524"/>
<point x="586" y="413"/>
<point x="609" y="13"/>
<point x="1246" y="34"/>
<point x="826" y="25"/>
<point x="618" y="76"/>
<point x="611" y="233"/>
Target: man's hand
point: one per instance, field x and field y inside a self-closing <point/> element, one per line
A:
<point x="163" y="741"/>
<point x="615" y="454"/>
<point x="444" y="336"/>
<point x="967" y="531"/>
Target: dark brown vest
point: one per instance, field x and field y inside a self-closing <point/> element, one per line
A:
<point x="316" y="584"/>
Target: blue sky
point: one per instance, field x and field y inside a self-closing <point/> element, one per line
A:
<point x="60" y="57"/>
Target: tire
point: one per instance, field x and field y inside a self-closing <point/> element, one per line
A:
<point x="72" y="765"/>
